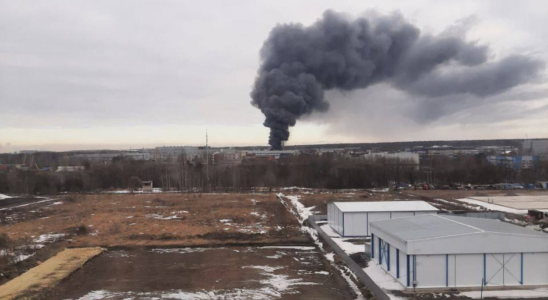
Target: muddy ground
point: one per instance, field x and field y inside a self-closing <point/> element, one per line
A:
<point x="34" y="232"/>
<point x="197" y="273"/>
<point x="240" y="222"/>
<point x="155" y="219"/>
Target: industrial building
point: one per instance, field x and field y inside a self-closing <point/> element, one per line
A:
<point x="353" y="218"/>
<point x="523" y="162"/>
<point x="270" y="154"/>
<point x="403" y="156"/>
<point x="442" y="251"/>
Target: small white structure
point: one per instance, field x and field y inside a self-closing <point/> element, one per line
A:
<point x="353" y="218"/>
<point x="147" y="187"/>
<point x="442" y="251"/>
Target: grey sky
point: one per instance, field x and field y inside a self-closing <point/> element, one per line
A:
<point x="88" y="74"/>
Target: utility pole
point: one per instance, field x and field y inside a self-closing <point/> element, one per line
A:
<point x="207" y="161"/>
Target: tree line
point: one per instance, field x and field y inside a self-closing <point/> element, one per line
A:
<point x="326" y="171"/>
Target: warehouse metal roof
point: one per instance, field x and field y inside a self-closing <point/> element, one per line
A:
<point x="444" y="226"/>
<point x="381" y="206"/>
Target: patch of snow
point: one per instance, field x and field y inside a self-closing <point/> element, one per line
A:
<point x="22" y="257"/>
<point x="160" y="217"/>
<point x="278" y="254"/>
<point x="348" y="247"/>
<point x="280" y="282"/>
<point x="181" y="250"/>
<point x="508" y="294"/>
<point x="385" y="190"/>
<point x="352" y="284"/>
<point x="225" y="220"/>
<point x="120" y="192"/>
<point x="381" y="277"/>
<point x="307" y="248"/>
<point x="492" y="206"/>
<point x="264" y="268"/>
<point x="2" y="197"/>
<point x="329" y="231"/>
<point x="23" y="205"/>
<point x="16" y="256"/>
<point x="303" y="212"/>
<point x="322" y="272"/>
<point x="48" y="238"/>
<point x="96" y="295"/>
<point x="534" y="227"/>
<point x="57" y="203"/>
<point x="296" y="188"/>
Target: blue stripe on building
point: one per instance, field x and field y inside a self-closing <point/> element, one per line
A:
<point x="484" y="269"/>
<point x="388" y="256"/>
<point x="521" y="277"/>
<point x="380" y="251"/>
<point x="372" y="246"/>
<point x="446" y="269"/>
<point x="397" y="263"/>
<point x="343" y="225"/>
<point x="408" y="272"/>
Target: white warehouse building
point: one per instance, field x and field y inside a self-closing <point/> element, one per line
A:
<point x="442" y="251"/>
<point x="352" y="218"/>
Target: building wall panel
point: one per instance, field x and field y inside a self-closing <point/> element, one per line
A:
<point x="377" y="216"/>
<point x="402" y="214"/>
<point x="512" y="269"/>
<point x="494" y="269"/>
<point x="393" y="261"/>
<point x="535" y="271"/>
<point x="403" y="268"/>
<point x="334" y="218"/>
<point x="431" y="271"/>
<point x="452" y="270"/>
<point x="469" y="270"/>
<point x="355" y="224"/>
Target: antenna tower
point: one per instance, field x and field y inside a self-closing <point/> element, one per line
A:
<point x="207" y="158"/>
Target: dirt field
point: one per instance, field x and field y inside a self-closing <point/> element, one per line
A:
<point x="34" y="232"/>
<point x="156" y="219"/>
<point x="204" y="273"/>
<point x="230" y="228"/>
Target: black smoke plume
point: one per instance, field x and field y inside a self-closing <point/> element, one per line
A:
<point x="300" y="62"/>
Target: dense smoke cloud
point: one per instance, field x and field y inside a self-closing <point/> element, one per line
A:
<point x="299" y="63"/>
